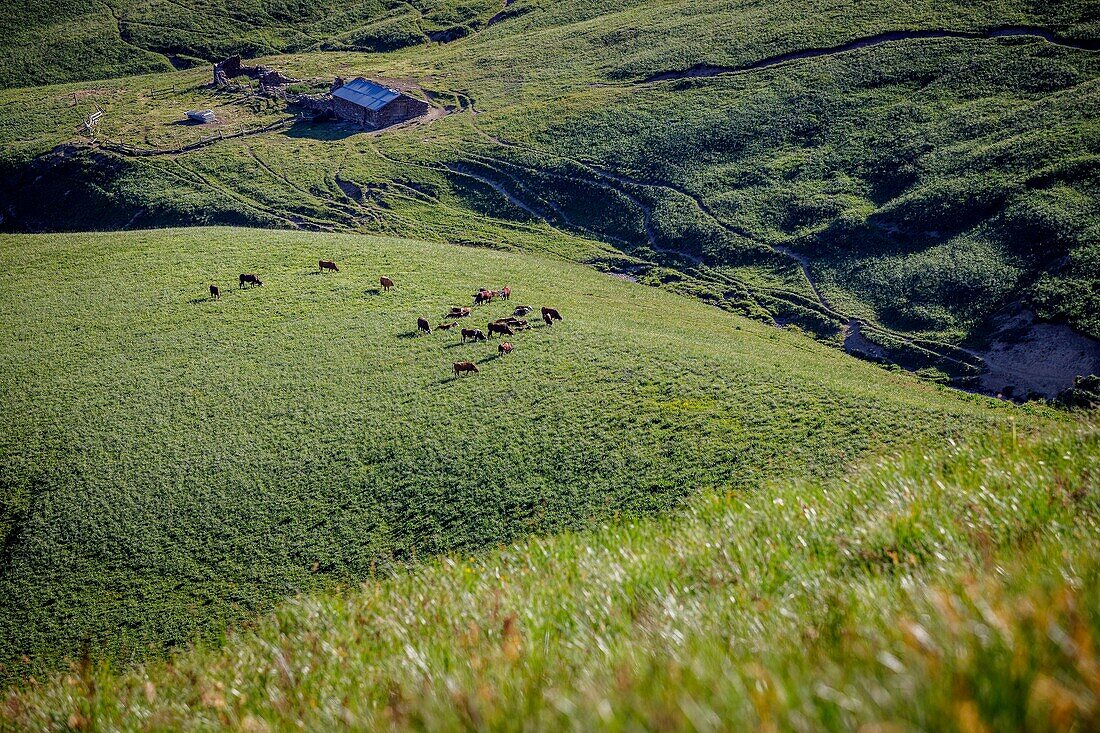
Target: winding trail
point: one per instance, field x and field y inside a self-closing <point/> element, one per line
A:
<point x="619" y="184"/>
<point x="499" y="188"/>
<point x="804" y="265"/>
<point x="1018" y="31"/>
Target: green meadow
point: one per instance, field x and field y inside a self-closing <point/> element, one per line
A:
<point x="682" y="507"/>
<point x="173" y="464"/>
<point x="948" y="587"/>
<point x="928" y="184"/>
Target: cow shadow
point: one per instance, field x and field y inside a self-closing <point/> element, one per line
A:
<point x="409" y="334"/>
<point x="369" y="291"/>
<point x="456" y="344"/>
<point x="204" y="299"/>
<point x="487" y="359"/>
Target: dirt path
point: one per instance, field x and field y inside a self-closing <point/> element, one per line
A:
<point x="598" y="176"/>
<point x="706" y="70"/>
<point x="854" y="339"/>
<point x="499" y="188"/>
<point x="804" y="265"/>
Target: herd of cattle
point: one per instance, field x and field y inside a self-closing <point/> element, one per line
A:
<point x="508" y="326"/>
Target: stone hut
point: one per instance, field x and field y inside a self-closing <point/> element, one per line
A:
<point x="373" y="105"/>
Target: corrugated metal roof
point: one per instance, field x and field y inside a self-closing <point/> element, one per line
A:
<point x="366" y="94"/>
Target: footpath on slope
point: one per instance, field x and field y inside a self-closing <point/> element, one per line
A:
<point x="707" y="70"/>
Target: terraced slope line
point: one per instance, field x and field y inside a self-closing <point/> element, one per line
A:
<point x="705" y="70"/>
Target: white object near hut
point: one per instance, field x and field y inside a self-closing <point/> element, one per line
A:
<point x="206" y="115"/>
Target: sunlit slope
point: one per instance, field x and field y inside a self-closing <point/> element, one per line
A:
<point x="929" y="183"/>
<point x="951" y="587"/>
<point x="51" y="41"/>
<point x="172" y="463"/>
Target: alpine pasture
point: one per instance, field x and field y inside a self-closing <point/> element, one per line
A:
<point x="928" y="183"/>
<point x="175" y="464"/>
<point x="268" y="461"/>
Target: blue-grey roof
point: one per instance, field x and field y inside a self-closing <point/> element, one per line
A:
<point x="366" y="94"/>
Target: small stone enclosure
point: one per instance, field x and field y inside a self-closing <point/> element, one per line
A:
<point x="359" y="101"/>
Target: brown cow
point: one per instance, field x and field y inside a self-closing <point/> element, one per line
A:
<point x="385" y="282"/>
<point x="505" y="293"/>
<point x="464" y="367"/>
<point x="522" y="310"/>
<point x="457" y="312"/>
<point x="251" y="279"/>
<point x="215" y="293"/>
<point x="474" y="334"/>
<point x="505" y="348"/>
<point x="484" y="296"/>
<point x="422" y="325"/>
<point x="513" y="322"/>
<point x="323" y="265"/>
<point x="549" y="315"/>
<point x="446" y="326"/>
<point x="501" y="328"/>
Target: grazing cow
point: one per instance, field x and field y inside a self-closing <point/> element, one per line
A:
<point x="513" y="322"/>
<point x="446" y="326"/>
<point x="252" y="280"/>
<point x="457" y="312"/>
<point x="215" y="293"/>
<point x="323" y="265"/>
<point x="464" y="367"/>
<point x="501" y="328"/>
<point x="505" y="293"/>
<point x="484" y="296"/>
<point x="474" y="334"/>
<point x="522" y="311"/>
<point x="549" y="314"/>
<point x="385" y="282"/>
<point x="422" y="325"/>
<point x="505" y="348"/>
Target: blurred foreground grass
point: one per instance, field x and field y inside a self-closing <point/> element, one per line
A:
<point x="952" y="588"/>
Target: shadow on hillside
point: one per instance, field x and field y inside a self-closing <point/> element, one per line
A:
<point x="409" y="334"/>
<point x="203" y="299"/>
<point x="453" y="378"/>
<point x="372" y="291"/>
<point x="322" y="130"/>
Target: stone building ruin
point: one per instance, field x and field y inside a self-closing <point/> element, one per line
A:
<point x="360" y="101"/>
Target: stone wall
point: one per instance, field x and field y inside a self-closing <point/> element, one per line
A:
<point x="233" y="67"/>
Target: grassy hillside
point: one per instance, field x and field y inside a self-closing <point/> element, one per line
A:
<point x="173" y="464"/>
<point x="51" y="41"/>
<point x="923" y="186"/>
<point x="953" y="588"/>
